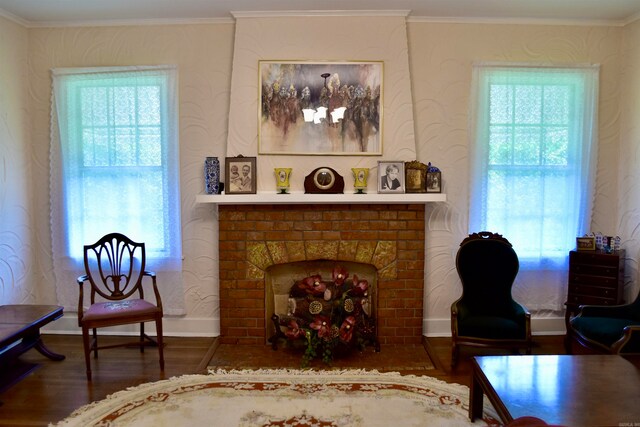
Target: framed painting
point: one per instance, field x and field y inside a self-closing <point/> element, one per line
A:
<point x="320" y="108"/>
<point x="240" y="175"/>
<point x="390" y="177"/>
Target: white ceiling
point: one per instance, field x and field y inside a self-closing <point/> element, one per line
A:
<point x="68" y="12"/>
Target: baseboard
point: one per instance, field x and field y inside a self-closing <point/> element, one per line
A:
<point x="539" y="326"/>
<point x="210" y="327"/>
<point x="172" y="327"/>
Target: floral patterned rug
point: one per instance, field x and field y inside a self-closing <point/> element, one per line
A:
<point x="286" y="398"/>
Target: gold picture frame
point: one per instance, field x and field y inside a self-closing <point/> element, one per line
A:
<point x="586" y="243"/>
<point x="415" y="176"/>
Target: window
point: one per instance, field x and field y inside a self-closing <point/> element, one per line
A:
<point x="533" y="152"/>
<point x="115" y="163"/>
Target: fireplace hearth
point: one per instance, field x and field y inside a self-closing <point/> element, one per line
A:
<point x="256" y="238"/>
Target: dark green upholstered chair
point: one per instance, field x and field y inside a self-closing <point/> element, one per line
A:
<point x="486" y="315"/>
<point x="614" y="329"/>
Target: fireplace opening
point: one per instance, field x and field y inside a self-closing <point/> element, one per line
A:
<point x="280" y="277"/>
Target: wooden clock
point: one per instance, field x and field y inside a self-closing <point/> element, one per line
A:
<point x="324" y="180"/>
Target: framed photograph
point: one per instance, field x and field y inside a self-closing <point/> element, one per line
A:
<point x="434" y="182"/>
<point x="390" y="177"/>
<point x="320" y="108"/>
<point x="415" y="176"/>
<point x="586" y="243"/>
<point x="240" y="175"/>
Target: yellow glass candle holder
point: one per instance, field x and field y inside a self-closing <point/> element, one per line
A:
<point x="360" y="176"/>
<point x="282" y="179"/>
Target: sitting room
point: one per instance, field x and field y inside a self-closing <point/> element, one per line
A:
<point x="302" y="182"/>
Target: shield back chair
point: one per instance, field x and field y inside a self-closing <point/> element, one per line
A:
<point x="486" y="315"/>
<point x="114" y="269"/>
<point x="613" y="329"/>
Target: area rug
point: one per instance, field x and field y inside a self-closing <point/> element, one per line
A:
<point x="286" y="398"/>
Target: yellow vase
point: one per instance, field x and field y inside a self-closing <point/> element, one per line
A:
<point x="282" y="179"/>
<point x="360" y="176"/>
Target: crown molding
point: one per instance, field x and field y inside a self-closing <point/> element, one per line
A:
<point x="13" y="18"/>
<point x="129" y="22"/>
<point x="517" y="21"/>
<point x="632" y="19"/>
<point x="320" y="13"/>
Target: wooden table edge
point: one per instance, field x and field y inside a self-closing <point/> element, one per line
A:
<point x="480" y="384"/>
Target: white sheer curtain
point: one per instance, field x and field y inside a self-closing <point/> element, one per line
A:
<point x="114" y="163"/>
<point x="534" y="145"/>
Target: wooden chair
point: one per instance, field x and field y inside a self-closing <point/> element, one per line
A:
<point x="486" y="314"/>
<point x="610" y="328"/>
<point x="115" y="267"/>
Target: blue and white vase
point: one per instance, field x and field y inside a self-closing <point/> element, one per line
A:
<point x="212" y="175"/>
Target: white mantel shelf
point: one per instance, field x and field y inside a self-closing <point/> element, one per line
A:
<point x="300" y="198"/>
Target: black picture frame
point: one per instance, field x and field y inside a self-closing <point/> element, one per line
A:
<point x="434" y="182"/>
<point x="240" y="175"/>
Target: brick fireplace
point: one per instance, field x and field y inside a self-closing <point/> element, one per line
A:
<point x="255" y="237"/>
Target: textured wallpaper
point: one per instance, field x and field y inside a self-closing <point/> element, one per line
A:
<point x="321" y="39"/>
<point x="16" y="257"/>
<point x="203" y="55"/>
<point x="629" y="169"/>
<point x="427" y="73"/>
<point x="441" y="56"/>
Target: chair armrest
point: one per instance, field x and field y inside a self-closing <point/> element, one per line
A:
<point x="624" y="310"/>
<point x="81" y="280"/>
<point x="629" y="332"/>
<point x="152" y="275"/>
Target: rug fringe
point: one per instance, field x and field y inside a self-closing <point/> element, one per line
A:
<point x="310" y="373"/>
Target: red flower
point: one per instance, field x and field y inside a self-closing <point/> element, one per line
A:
<point x="359" y="286"/>
<point x="313" y="285"/>
<point x="339" y="275"/>
<point x="293" y="330"/>
<point x="322" y="324"/>
<point x="346" y="330"/>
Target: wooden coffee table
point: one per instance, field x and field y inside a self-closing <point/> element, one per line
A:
<point x="19" y="332"/>
<point x="581" y="390"/>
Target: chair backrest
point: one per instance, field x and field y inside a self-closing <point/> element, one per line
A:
<point x="114" y="266"/>
<point x="487" y="266"/>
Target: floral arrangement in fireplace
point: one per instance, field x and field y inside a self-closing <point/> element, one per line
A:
<point x="329" y="316"/>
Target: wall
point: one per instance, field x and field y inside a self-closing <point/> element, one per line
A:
<point x="439" y="59"/>
<point x="321" y="39"/>
<point x="16" y="227"/>
<point x="203" y="55"/>
<point x="629" y="201"/>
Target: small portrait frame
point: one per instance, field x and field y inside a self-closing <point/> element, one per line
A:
<point x="415" y="175"/>
<point x="240" y="175"/>
<point x="391" y="176"/>
<point x="433" y="182"/>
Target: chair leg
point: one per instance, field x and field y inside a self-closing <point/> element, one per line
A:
<point x="142" y="337"/>
<point x="455" y="351"/>
<point x="160" y="343"/>
<point x="95" y="343"/>
<point x="87" y="351"/>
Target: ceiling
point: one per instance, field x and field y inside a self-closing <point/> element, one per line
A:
<point x="70" y="12"/>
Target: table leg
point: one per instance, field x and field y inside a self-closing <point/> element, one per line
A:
<point x="42" y="349"/>
<point x="475" y="397"/>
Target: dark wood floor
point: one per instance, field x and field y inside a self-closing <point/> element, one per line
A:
<point x="55" y="389"/>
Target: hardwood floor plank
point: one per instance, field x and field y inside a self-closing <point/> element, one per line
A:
<point x="55" y="389"/>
